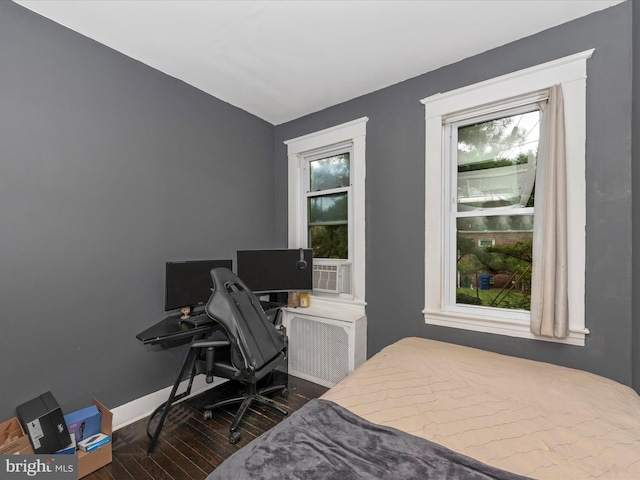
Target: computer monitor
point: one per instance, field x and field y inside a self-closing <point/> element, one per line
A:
<point x="272" y="271"/>
<point x="188" y="284"/>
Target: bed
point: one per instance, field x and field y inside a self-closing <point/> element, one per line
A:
<point x="427" y="409"/>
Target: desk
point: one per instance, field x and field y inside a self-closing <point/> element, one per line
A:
<point x="171" y="329"/>
<point x="168" y="332"/>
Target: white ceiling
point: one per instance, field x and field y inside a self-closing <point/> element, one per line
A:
<point x="281" y="60"/>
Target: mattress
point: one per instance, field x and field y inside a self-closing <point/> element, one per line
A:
<point x="531" y="418"/>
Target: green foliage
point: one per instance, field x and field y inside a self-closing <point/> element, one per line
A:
<point x="330" y="241"/>
<point x="467" y="299"/>
<point x="519" y="302"/>
<point x="519" y="251"/>
<point x="513" y="259"/>
<point x="511" y="301"/>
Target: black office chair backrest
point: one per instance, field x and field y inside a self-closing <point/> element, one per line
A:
<point x="254" y="339"/>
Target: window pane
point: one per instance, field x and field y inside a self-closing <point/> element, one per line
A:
<point x="494" y="257"/>
<point x="329" y="172"/>
<point x="329" y="241"/>
<point x="497" y="162"/>
<point x="328" y="209"/>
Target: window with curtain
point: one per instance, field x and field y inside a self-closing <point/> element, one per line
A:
<point x="499" y="207"/>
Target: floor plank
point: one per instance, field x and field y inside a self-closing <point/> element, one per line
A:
<point x="190" y="447"/>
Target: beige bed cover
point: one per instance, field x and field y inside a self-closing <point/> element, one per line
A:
<point x="528" y="417"/>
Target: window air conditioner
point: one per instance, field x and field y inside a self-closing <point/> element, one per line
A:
<point x="332" y="277"/>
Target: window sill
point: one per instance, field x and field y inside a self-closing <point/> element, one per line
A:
<point x="498" y="326"/>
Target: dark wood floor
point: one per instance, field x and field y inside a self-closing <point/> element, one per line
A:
<point x="190" y="447"/>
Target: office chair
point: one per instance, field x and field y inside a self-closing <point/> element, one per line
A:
<point x="254" y="347"/>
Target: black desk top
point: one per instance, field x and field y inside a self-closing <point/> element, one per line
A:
<point x="171" y="329"/>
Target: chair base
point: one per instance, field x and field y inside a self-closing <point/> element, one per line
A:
<point x="246" y="400"/>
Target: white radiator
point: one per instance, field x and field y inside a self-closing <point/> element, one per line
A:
<point x="324" y="350"/>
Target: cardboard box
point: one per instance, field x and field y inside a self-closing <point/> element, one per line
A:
<point x="91" y="461"/>
<point x="43" y="421"/>
<point x="83" y="423"/>
<point x="13" y="440"/>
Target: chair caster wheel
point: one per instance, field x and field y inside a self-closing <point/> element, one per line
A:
<point x="285" y="392"/>
<point x="234" y="437"/>
<point x="207" y="415"/>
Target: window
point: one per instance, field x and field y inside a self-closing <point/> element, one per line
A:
<point x="492" y="160"/>
<point x="328" y="192"/>
<point x="486" y="242"/>
<point x="326" y="207"/>
<point x="481" y="144"/>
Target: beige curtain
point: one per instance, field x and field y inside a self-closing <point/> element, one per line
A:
<point x="549" y="302"/>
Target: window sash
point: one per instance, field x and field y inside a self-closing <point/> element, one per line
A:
<point x="507" y="108"/>
<point x="340" y="218"/>
<point x="315" y="181"/>
<point x="320" y="154"/>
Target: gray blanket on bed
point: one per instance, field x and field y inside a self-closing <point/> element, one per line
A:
<point x="323" y="440"/>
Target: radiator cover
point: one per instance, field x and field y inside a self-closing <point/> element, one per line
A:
<point x="324" y="350"/>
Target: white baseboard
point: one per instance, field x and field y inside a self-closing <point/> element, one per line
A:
<point x="143" y="407"/>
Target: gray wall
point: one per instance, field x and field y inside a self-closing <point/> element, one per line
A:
<point x="108" y="169"/>
<point x="395" y="192"/>
<point x="636" y="201"/>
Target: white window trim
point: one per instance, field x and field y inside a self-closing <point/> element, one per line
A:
<point x="569" y="71"/>
<point x="353" y="132"/>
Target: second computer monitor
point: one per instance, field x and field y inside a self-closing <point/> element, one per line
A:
<point x="278" y="270"/>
